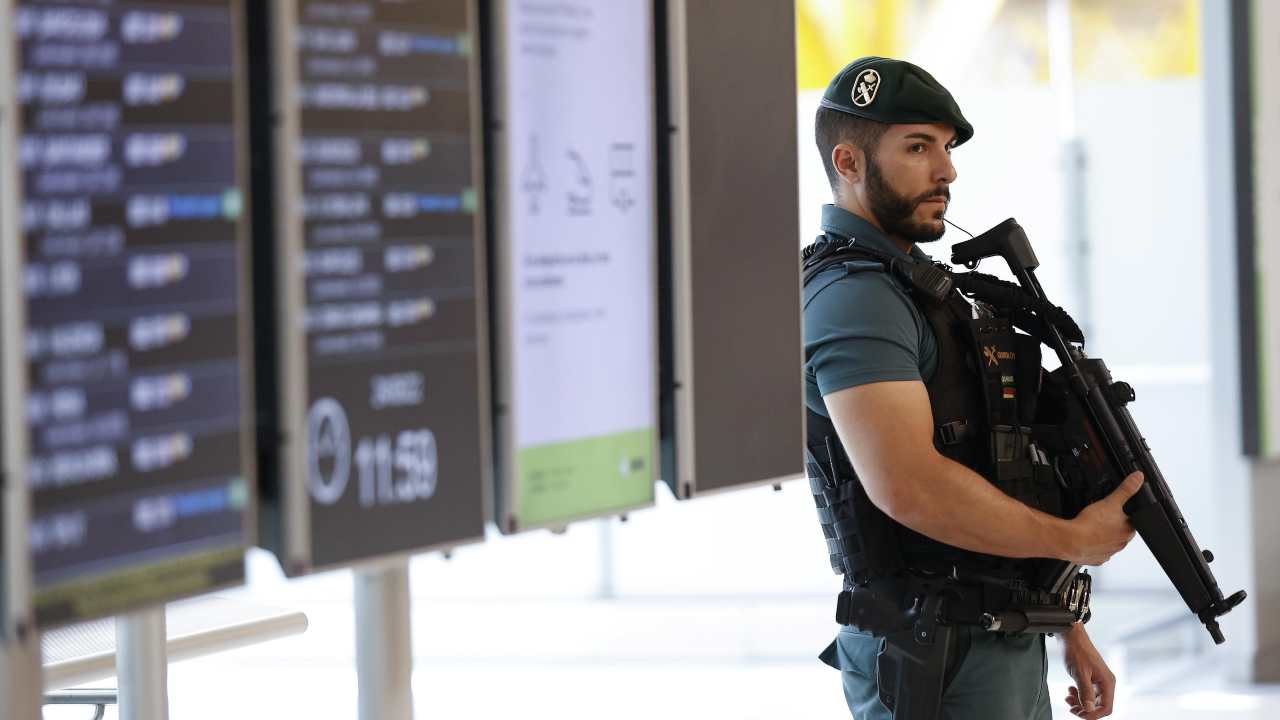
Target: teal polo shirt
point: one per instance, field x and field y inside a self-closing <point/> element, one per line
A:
<point x="861" y="327"/>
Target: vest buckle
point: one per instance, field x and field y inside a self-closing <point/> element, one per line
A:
<point x="954" y="432"/>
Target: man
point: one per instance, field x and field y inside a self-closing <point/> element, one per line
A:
<point x="873" y="359"/>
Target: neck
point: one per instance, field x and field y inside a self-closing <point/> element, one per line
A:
<point x="856" y="207"/>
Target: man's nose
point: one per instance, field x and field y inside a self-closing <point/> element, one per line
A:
<point x="946" y="172"/>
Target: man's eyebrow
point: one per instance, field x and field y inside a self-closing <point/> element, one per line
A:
<point x="927" y="137"/>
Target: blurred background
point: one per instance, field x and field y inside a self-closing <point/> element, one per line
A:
<point x="1104" y="128"/>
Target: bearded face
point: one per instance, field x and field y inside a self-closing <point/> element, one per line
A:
<point x="915" y="218"/>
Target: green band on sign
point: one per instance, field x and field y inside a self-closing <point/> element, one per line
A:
<point x="571" y="479"/>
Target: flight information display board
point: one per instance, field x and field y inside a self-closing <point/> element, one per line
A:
<point x="385" y="369"/>
<point x="576" y="259"/>
<point x="131" y="162"/>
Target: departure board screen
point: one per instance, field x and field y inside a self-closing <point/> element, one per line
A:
<point x="134" y="241"/>
<point x="577" y="257"/>
<point x="393" y="299"/>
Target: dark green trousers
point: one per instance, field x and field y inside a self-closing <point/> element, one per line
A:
<point x="992" y="677"/>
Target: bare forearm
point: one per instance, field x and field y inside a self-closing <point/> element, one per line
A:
<point x="948" y="502"/>
<point x="887" y="430"/>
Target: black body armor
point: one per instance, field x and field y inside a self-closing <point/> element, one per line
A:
<point x="984" y="396"/>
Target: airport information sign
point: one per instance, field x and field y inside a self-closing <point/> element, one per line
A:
<point x="576" y="259"/>
<point x="139" y="471"/>
<point x="393" y="276"/>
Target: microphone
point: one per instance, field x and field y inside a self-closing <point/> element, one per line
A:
<point x="966" y="232"/>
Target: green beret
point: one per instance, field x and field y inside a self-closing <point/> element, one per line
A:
<point x="894" y="91"/>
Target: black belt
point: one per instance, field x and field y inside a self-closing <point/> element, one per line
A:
<point x="887" y="604"/>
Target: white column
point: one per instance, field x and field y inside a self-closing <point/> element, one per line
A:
<point x="142" y="665"/>
<point x="607" y="589"/>
<point x="1062" y="80"/>
<point x="384" y="651"/>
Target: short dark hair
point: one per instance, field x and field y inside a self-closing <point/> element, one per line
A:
<point x="832" y="127"/>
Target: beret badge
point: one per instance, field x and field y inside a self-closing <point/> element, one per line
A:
<point x="865" y="87"/>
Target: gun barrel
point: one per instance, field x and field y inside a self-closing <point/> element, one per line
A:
<point x="1166" y="533"/>
<point x="1153" y="511"/>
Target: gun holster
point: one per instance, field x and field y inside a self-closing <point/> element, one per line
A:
<point x="915" y="645"/>
<point x="912" y="663"/>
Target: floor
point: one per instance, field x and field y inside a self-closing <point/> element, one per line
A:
<point x="568" y="658"/>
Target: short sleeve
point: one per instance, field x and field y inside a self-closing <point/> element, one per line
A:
<point x="861" y="329"/>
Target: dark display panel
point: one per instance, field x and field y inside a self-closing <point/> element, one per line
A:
<point x="388" y="207"/>
<point x="732" y="394"/>
<point x="132" y="219"/>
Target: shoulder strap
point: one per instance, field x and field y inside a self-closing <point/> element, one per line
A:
<point x="826" y="254"/>
<point x="927" y="279"/>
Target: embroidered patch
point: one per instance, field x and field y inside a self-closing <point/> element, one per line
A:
<point x="865" y="88"/>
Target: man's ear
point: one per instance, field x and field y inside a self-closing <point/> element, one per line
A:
<point x="849" y="162"/>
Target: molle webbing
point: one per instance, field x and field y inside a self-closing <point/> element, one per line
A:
<point x="863" y="543"/>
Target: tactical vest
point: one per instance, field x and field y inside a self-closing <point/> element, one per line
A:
<point x="983" y="395"/>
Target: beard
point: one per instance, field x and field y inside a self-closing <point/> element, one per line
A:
<point x="894" y="210"/>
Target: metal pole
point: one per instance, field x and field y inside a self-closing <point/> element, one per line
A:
<point x="142" y="665"/>
<point x="384" y="652"/>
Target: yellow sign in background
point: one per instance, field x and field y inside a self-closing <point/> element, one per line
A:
<point x="1111" y="39"/>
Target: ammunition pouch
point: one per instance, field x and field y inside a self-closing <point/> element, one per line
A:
<point x="862" y="542"/>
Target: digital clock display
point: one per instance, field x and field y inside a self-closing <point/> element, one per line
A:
<point x="392" y="273"/>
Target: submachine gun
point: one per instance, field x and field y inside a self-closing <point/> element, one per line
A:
<point x="1102" y="434"/>
<point x="1098" y="447"/>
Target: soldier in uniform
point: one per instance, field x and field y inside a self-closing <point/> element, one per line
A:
<point x="880" y="366"/>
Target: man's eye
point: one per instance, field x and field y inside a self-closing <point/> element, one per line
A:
<point x="917" y="148"/>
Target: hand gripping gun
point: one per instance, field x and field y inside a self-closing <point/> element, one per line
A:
<point x="1101" y="434"/>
